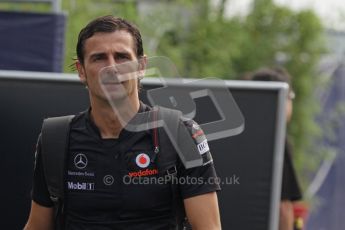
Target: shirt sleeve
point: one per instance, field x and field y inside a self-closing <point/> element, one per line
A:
<point x="40" y="193"/>
<point x="203" y="179"/>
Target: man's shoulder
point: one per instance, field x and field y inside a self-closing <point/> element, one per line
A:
<point x="83" y="115"/>
<point x="73" y="120"/>
<point x="75" y="116"/>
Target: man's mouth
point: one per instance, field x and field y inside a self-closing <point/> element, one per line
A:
<point x="111" y="83"/>
<point x="110" y="80"/>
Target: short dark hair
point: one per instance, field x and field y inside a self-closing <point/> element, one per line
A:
<point x="270" y="74"/>
<point x="108" y="24"/>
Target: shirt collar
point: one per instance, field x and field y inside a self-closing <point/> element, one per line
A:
<point x="91" y="124"/>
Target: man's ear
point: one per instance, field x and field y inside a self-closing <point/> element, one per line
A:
<point x="142" y="66"/>
<point x="81" y="72"/>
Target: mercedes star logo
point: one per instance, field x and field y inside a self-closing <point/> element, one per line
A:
<point x="80" y="161"/>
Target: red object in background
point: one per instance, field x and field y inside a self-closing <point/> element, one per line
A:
<point x="300" y="211"/>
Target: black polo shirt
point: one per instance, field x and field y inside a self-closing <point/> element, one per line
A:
<point x="111" y="187"/>
<point x="290" y="187"/>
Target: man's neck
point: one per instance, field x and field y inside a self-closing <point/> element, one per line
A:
<point x="110" y="121"/>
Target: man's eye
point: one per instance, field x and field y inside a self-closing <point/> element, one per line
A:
<point x="97" y="58"/>
<point x="122" y="57"/>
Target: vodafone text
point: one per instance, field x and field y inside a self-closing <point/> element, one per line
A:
<point x="146" y="172"/>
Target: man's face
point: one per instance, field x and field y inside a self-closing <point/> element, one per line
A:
<point x="103" y="50"/>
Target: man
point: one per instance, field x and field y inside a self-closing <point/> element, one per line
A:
<point x="290" y="187"/>
<point x="96" y="157"/>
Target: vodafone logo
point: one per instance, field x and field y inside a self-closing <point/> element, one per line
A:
<point x="142" y="160"/>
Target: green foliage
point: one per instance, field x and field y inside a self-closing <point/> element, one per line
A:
<point x="25" y="7"/>
<point x="80" y="12"/>
<point x="278" y="35"/>
<point x="269" y="35"/>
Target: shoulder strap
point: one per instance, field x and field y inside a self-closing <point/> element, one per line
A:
<point x="167" y="159"/>
<point x="55" y="132"/>
<point x="167" y="163"/>
<point x="184" y="145"/>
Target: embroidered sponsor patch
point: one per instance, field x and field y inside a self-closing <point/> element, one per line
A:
<point x="203" y="147"/>
<point x="198" y="134"/>
<point x="81" y="186"/>
<point x="142" y="173"/>
<point x="142" y="160"/>
<point x="80" y="174"/>
<point x="196" y="126"/>
<point x="80" y="161"/>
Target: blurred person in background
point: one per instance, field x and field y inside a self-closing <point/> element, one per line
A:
<point x="290" y="191"/>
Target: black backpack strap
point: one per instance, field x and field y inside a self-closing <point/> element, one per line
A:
<point x="168" y="159"/>
<point x="55" y="136"/>
<point x="167" y="162"/>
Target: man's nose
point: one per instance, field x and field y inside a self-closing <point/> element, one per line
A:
<point x="111" y="61"/>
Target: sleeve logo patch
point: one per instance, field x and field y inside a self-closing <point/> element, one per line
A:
<point x="196" y="126"/>
<point x="203" y="147"/>
<point x="198" y="134"/>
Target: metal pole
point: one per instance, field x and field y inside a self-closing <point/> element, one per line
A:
<point x="56" y="6"/>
